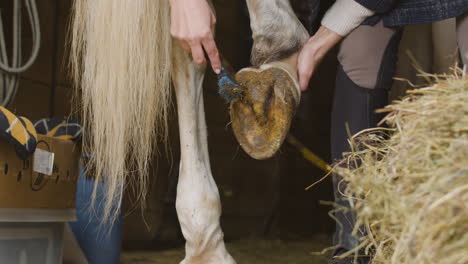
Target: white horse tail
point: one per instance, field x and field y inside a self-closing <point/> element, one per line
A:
<point x="121" y="61"/>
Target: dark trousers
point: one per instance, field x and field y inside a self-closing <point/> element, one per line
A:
<point x="354" y="105"/>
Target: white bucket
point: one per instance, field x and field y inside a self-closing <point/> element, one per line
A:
<point x="32" y="236"/>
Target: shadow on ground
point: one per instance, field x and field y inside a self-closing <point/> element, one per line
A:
<point x="245" y="252"/>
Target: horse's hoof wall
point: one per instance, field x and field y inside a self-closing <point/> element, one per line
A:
<point x="262" y="116"/>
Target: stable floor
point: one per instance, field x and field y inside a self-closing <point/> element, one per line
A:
<point x="245" y="252"/>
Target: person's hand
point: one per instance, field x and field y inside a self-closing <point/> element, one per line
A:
<point x="313" y="52"/>
<point x="192" y="23"/>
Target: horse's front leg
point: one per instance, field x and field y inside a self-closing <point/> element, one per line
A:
<point x="262" y="116"/>
<point x="277" y="33"/>
<point x="198" y="203"/>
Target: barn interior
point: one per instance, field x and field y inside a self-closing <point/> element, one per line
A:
<point x="268" y="216"/>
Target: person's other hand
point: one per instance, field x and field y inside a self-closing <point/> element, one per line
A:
<point x="313" y="52"/>
<point x="192" y="23"/>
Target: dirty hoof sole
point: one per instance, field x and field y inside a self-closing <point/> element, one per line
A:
<point x="262" y="116"/>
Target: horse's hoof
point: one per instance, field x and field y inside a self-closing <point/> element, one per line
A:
<point x="262" y="116"/>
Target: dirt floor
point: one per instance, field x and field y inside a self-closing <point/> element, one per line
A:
<point x="245" y="252"/>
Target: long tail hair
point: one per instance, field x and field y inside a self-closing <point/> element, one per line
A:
<point x="120" y="63"/>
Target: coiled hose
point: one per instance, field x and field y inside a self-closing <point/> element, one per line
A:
<point x="9" y="72"/>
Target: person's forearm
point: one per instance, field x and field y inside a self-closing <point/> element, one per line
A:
<point x="323" y="40"/>
<point x="313" y="52"/>
<point x="342" y="18"/>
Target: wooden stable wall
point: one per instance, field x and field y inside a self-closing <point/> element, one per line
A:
<point x="44" y="89"/>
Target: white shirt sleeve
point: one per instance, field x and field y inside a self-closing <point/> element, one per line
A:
<point x="344" y="16"/>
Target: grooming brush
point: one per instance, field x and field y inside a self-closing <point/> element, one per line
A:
<point x="228" y="88"/>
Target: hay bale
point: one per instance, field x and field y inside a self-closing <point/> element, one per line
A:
<point x="410" y="181"/>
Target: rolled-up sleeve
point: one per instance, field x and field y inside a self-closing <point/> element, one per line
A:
<point x="344" y="16"/>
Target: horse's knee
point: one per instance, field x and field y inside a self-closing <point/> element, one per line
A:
<point x="277" y="32"/>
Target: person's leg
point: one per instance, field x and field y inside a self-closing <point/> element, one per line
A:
<point x="367" y="60"/>
<point x="462" y="37"/>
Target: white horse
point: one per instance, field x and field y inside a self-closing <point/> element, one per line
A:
<point x="124" y="59"/>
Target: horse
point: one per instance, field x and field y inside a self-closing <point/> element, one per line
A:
<point x="124" y="64"/>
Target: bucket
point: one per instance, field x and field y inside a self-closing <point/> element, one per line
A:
<point x="32" y="236"/>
